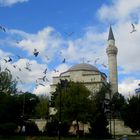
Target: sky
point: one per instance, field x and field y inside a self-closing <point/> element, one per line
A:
<point x="74" y="30"/>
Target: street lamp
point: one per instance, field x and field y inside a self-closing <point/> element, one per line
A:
<point x="62" y="84"/>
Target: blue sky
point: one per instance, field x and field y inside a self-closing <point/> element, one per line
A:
<point x="76" y="30"/>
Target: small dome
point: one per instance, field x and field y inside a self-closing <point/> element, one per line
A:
<point x="83" y="66"/>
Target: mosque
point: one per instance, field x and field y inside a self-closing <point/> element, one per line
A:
<point x="89" y="75"/>
<point x="94" y="79"/>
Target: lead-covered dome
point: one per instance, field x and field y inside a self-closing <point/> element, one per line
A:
<point x="83" y="66"/>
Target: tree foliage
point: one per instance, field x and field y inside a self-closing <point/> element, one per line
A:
<point x="7" y="84"/>
<point x="131" y="114"/>
<point x="74" y="104"/>
<point x="118" y="103"/>
<point x="42" y="108"/>
<point x="98" y="119"/>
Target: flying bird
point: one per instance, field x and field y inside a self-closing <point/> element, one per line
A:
<point x="6" y="69"/>
<point x="35" y="52"/>
<point x="14" y="66"/>
<point x="47" y="57"/>
<point x="96" y="60"/>
<point x="104" y="65"/>
<point x="27" y="66"/>
<point x="19" y="57"/>
<point x="19" y="69"/>
<point x="9" y="60"/>
<point x="64" y="60"/>
<point x="42" y="84"/>
<point x="55" y="70"/>
<point x="69" y="34"/>
<point x="45" y="71"/>
<point x="43" y="78"/>
<point x="3" y="29"/>
<point x="133" y="28"/>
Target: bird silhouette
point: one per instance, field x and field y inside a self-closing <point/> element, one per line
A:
<point x="27" y="66"/>
<point x="69" y="33"/>
<point x="47" y="57"/>
<point x="35" y="52"/>
<point x="9" y="60"/>
<point x="104" y="65"/>
<point x="19" y="57"/>
<point x="64" y="60"/>
<point x="2" y="28"/>
<point x="55" y="70"/>
<point x="19" y="69"/>
<point x="42" y="78"/>
<point x="133" y="28"/>
<point x="6" y="69"/>
<point x="14" y="66"/>
<point x="96" y="60"/>
<point x="42" y="84"/>
<point x="45" y="71"/>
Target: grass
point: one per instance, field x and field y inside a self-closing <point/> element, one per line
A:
<point x="56" y="138"/>
<point x="41" y="138"/>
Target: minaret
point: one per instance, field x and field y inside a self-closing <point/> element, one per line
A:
<point x="112" y="62"/>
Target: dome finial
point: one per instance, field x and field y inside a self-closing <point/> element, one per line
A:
<point x="111" y="36"/>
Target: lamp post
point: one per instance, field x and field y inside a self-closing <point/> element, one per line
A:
<point x="62" y="84"/>
<point x="59" y="124"/>
<point x="113" y="115"/>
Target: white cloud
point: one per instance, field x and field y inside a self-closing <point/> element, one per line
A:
<point x="127" y="86"/>
<point x="119" y="10"/>
<point x="47" y="42"/>
<point x="10" y="2"/>
<point x="42" y="90"/>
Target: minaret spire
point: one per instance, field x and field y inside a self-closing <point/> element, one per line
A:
<point x="111" y="36"/>
<point x="112" y="61"/>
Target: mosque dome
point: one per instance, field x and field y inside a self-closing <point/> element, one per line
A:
<point x="83" y="66"/>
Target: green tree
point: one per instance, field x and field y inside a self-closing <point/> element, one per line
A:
<point x="131" y="113"/>
<point x="75" y="103"/>
<point x="98" y="119"/>
<point x="27" y="103"/>
<point x="118" y="102"/>
<point x="42" y="108"/>
<point x="7" y="84"/>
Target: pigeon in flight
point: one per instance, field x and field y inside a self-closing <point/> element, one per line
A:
<point x="133" y="28"/>
<point x="64" y="60"/>
<point x="9" y="60"/>
<point x="27" y="66"/>
<point x="96" y="60"/>
<point x="6" y="69"/>
<point x="104" y="65"/>
<point x="19" y="57"/>
<point x="35" y="52"/>
<point x="3" y="29"/>
<point x="47" y="57"/>
<point x="43" y="78"/>
<point x="69" y="34"/>
<point x="55" y="70"/>
<point x="45" y="71"/>
<point x="14" y="66"/>
<point x="42" y="84"/>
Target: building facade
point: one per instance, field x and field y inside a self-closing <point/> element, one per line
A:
<point x="83" y="73"/>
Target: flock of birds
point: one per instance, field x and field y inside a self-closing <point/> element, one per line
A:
<point x="43" y="79"/>
<point x="39" y="81"/>
<point x="9" y="60"/>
